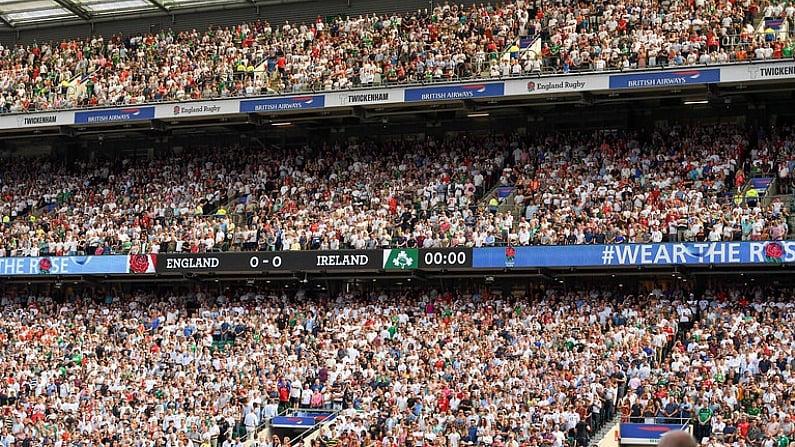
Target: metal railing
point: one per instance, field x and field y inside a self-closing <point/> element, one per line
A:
<point x="453" y="79"/>
<point x="643" y="420"/>
<point x="304" y="436"/>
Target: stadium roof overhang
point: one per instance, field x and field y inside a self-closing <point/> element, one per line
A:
<point x="21" y="14"/>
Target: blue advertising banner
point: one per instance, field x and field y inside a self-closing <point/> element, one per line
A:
<point x="78" y="265"/>
<point x="505" y="191"/>
<point x="665" y="79"/>
<point x="454" y="92"/>
<point x="774" y="23"/>
<point x="283" y="104"/>
<point x="525" y="42"/>
<point x="114" y="115"/>
<point x="645" y="433"/>
<point x="317" y="416"/>
<point x="617" y="255"/>
<point x="761" y="183"/>
<point x="292" y="422"/>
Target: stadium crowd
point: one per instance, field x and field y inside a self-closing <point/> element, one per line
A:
<point x="578" y="188"/>
<point x="641" y="187"/>
<point x="404" y="369"/>
<point x="416" y="367"/>
<point x="334" y="196"/>
<point x="448" y="42"/>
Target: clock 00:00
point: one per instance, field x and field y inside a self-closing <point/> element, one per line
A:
<point x="445" y="258"/>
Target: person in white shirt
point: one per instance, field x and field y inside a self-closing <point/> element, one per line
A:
<point x="306" y="397"/>
<point x="716" y="233"/>
<point x="251" y="422"/>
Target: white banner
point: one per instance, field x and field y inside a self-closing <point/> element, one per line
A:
<point x="764" y="71"/>
<point x="348" y="98"/>
<point x="570" y="83"/>
<point x="193" y="109"/>
<point x="37" y="119"/>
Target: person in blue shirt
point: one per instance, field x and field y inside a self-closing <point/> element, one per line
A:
<point x="748" y="225"/>
<point x="589" y="236"/>
<point x="685" y="410"/>
<point x="153" y="325"/>
<point x="189" y="330"/>
<point x="672" y="412"/>
<point x="472" y="433"/>
<point x="226" y="330"/>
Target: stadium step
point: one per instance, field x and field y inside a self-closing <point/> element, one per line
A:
<point x="77" y="85"/>
<point x="788" y="205"/>
<point x="779" y="26"/>
<point x="605" y="432"/>
<point x="221" y="345"/>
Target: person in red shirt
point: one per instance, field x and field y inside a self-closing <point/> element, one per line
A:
<point x="777" y="49"/>
<point x="442" y="403"/>
<point x="712" y="42"/>
<point x="37" y="416"/>
<point x="742" y="426"/>
<point x="281" y="64"/>
<point x="284" y="397"/>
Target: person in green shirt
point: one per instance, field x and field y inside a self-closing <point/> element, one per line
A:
<point x="554" y="52"/>
<point x="781" y="439"/>
<point x="703" y="426"/>
<point x="90" y="87"/>
<point x="392" y="331"/>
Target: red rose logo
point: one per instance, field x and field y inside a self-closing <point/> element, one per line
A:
<point x="774" y="252"/>
<point x="510" y="256"/>
<point x="510" y="251"/>
<point x="45" y="265"/>
<point x="139" y="263"/>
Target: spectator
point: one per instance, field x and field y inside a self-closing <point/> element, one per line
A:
<point x="446" y="43"/>
<point x="141" y="378"/>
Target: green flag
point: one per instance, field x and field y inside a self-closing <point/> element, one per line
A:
<point x="401" y="259"/>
